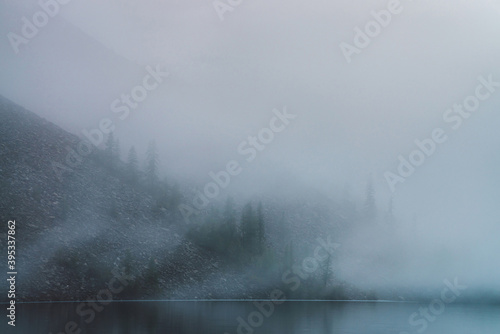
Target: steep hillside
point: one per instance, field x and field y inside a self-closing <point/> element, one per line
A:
<point x="81" y="221"/>
<point x="72" y="232"/>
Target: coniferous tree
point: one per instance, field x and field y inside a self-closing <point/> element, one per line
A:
<point x="370" y="209"/>
<point x="151" y="169"/>
<point x="132" y="165"/>
<point x="229" y="224"/>
<point x="260" y="229"/>
<point x="110" y="151"/>
<point x="326" y="266"/>
<point x="288" y="257"/>
<point x="229" y="232"/>
<point x="390" y="213"/>
<point x="207" y="234"/>
<point x="283" y="228"/>
<point x="109" y="145"/>
<point x="249" y="229"/>
<point x="117" y="150"/>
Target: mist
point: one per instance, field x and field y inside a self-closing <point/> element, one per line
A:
<point x="227" y="78"/>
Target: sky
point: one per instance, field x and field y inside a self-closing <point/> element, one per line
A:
<point x="225" y="78"/>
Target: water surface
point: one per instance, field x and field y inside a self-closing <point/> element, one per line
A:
<point x="249" y="317"/>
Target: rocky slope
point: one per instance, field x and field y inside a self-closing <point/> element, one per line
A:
<point x="74" y="231"/>
<point x="78" y="222"/>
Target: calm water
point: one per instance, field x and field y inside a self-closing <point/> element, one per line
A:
<point x="226" y="317"/>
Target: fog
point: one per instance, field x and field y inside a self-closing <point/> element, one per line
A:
<point x="353" y="120"/>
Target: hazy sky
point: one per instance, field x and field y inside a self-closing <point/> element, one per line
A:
<point x="227" y="76"/>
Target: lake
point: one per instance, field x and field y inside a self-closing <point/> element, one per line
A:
<point x="174" y="317"/>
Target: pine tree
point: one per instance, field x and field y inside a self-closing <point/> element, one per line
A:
<point x="249" y="229"/>
<point x="370" y="209"/>
<point x="283" y="228"/>
<point x="117" y="150"/>
<point x="229" y="225"/>
<point x="109" y="146"/>
<point x="326" y="266"/>
<point x="151" y="165"/>
<point x="288" y="257"/>
<point x="390" y="213"/>
<point x="110" y="151"/>
<point x="260" y="229"/>
<point x="132" y="165"/>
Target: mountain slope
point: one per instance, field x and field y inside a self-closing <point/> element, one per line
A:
<point x="74" y="231"/>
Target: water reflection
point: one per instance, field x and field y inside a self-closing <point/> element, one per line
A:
<point x="245" y="317"/>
